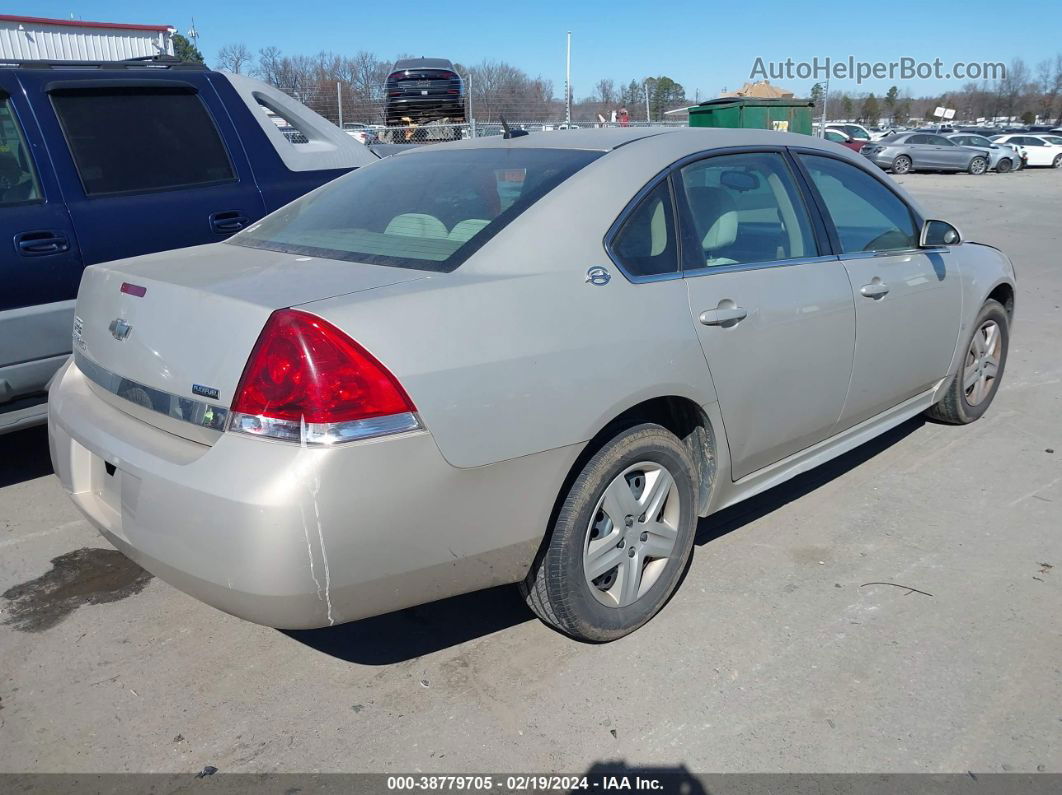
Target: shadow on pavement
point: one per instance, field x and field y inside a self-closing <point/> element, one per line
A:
<point x="396" y="637"/>
<point x="24" y="456"/>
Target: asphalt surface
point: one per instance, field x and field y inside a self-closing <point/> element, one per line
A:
<point x="775" y="655"/>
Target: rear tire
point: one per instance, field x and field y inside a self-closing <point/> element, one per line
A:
<point x="902" y="165"/>
<point x="974" y="386"/>
<point x="621" y="540"/>
<point x="978" y="165"/>
<point x="1057" y="162"/>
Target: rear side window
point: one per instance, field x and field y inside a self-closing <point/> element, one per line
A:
<point x="867" y="215"/>
<point x="427" y="209"/>
<point x="139" y="139"/>
<point x="645" y="245"/>
<point x="18" y="182"/>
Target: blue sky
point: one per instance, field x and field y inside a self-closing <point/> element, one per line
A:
<point x="705" y="46"/>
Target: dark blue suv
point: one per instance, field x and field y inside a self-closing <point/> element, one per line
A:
<point x="105" y="160"/>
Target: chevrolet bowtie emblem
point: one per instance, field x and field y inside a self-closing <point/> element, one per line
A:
<point x="120" y="329"/>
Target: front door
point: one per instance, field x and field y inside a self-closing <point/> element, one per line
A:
<point x="774" y="318"/>
<point x="908" y="301"/>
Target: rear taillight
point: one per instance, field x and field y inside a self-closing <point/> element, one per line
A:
<point x="306" y="381"/>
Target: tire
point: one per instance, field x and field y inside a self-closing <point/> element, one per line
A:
<point x="1003" y="166"/>
<point x="964" y="404"/>
<point x="1057" y="162"/>
<point x="559" y="589"/>
<point x="978" y="165"/>
<point x="902" y="165"/>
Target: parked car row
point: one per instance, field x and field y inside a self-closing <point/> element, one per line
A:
<point x="105" y="160"/>
<point x="903" y="153"/>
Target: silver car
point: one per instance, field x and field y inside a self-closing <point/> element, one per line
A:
<point x="906" y="152"/>
<point x="1001" y="157"/>
<point x="535" y="360"/>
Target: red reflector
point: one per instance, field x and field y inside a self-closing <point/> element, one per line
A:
<point x="304" y="369"/>
<point x="134" y="289"/>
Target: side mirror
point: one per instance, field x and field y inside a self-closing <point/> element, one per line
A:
<point x="938" y="233"/>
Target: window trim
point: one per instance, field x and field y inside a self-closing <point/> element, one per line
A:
<point x="684" y="220"/>
<point x="831" y="228"/>
<point x="169" y="86"/>
<point x="621" y="221"/>
<point x="35" y="173"/>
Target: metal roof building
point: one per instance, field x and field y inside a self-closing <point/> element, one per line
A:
<point x="36" y="38"/>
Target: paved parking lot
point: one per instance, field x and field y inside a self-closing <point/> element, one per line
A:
<point x="774" y="656"/>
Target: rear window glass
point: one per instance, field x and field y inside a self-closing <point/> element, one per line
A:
<point x="429" y="209"/>
<point x="138" y="140"/>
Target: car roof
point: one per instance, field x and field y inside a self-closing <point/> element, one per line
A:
<point x="423" y="63"/>
<point x="605" y="139"/>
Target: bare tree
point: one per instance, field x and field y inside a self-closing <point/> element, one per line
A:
<point x="235" y="58"/>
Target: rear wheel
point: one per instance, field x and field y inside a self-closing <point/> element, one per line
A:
<point x="978" y="166"/>
<point x="975" y="384"/>
<point x="902" y="165"/>
<point x="1057" y="162"/>
<point x="621" y="540"/>
<point x="1003" y="166"/>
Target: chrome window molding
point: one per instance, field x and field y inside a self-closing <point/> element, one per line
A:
<point x="190" y="410"/>
<point x="738" y="267"/>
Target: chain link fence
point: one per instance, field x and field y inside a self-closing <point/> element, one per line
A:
<point x="366" y="120"/>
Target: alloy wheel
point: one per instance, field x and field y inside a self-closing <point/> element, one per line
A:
<point x="982" y="363"/>
<point x="632" y="533"/>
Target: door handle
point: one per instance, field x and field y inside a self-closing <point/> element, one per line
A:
<point x="41" y="243"/>
<point x="723" y="316"/>
<point x="876" y="289"/>
<point x="226" y="222"/>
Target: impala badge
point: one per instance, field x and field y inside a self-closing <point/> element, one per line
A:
<point x="120" y="329"/>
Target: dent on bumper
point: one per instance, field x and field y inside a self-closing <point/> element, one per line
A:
<point x="299" y="537"/>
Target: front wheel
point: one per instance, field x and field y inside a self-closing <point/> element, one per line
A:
<point x="975" y="384"/>
<point x="1003" y="166"/>
<point x="978" y="166"/>
<point x="901" y="165"/>
<point x="1057" y="162"/>
<point x="621" y="539"/>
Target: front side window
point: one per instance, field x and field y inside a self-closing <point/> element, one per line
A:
<point x="429" y="209"/>
<point x="646" y="244"/>
<point x="18" y="182"/>
<point x="134" y="140"/>
<point x="867" y="215"/>
<point x="745" y="208"/>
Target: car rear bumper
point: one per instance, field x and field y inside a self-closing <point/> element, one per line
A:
<point x="298" y="537"/>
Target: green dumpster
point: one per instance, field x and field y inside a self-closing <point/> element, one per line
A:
<point x="787" y="115"/>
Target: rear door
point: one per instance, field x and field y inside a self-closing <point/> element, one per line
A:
<point x="921" y="151"/>
<point x="908" y="300"/>
<point x="146" y="164"/>
<point x="773" y="311"/>
<point x="40" y="265"/>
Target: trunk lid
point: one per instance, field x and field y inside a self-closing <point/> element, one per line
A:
<point x="170" y="333"/>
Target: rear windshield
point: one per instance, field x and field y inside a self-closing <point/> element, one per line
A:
<point x="429" y="210"/>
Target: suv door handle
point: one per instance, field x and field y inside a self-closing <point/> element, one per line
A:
<point x="225" y="222"/>
<point x="876" y="289"/>
<point x="40" y="243"/>
<point x="723" y="315"/>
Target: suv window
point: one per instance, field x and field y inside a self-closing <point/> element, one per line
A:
<point x="18" y="182"/>
<point x="646" y="244"/>
<point x="745" y="208"/>
<point x="867" y="215"/>
<point x="141" y="139"/>
<point x="429" y="209"/>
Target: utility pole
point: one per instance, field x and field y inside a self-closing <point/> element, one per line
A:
<point x="645" y="86"/>
<point x="471" y="119"/>
<point x="825" y="99"/>
<point x="568" y="83"/>
<point x="339" y="101"/>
